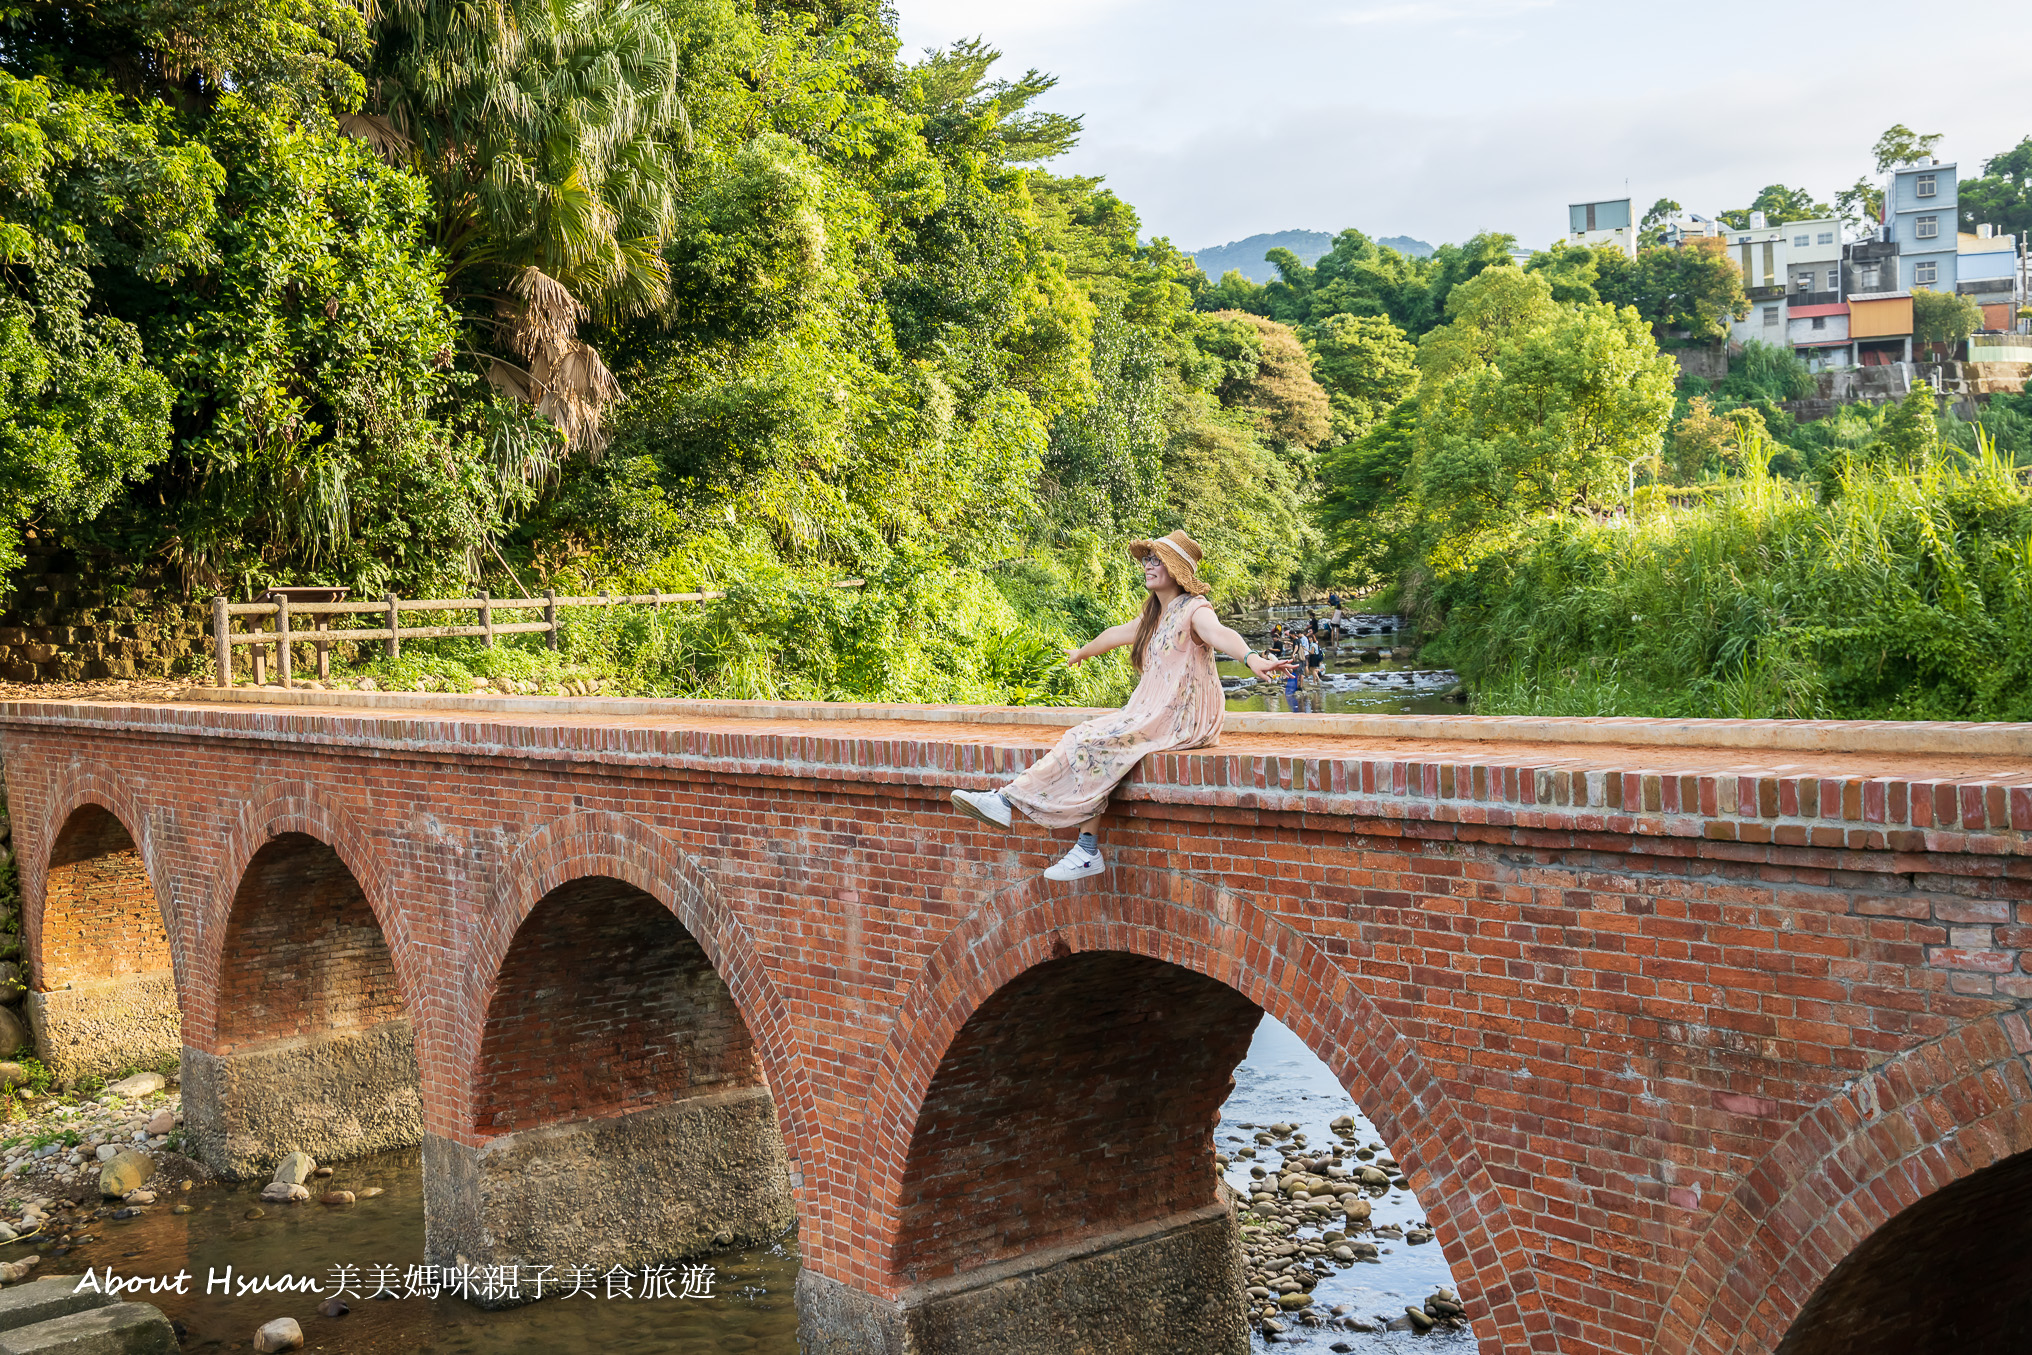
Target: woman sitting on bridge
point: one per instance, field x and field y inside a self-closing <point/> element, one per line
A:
<point x="1177" y="704"/>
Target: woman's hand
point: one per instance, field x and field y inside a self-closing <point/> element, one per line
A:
<point x="1074" y="657"/>
<point x="1271" y="667"/>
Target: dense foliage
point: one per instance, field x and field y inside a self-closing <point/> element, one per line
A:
<point x="618" y="294"/>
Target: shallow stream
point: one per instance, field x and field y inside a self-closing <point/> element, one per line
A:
<point x="751" y="1306"/>
<point x="1351" y="685"/>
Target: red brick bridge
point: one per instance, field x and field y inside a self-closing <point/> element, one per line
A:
<point x="1692" y="1037"/>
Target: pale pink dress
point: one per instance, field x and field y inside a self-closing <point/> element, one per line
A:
<point x="1178" y="704"/>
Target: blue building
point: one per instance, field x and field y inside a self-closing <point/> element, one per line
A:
<point x="1923" y="213"/>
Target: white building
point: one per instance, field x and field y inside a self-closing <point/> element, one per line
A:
<point x="1602" y="223"/>
<point x="1763" y="253"/>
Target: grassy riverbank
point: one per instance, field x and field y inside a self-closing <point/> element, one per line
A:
<point x="1887" y="590"/>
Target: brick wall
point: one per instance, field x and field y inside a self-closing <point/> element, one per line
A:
<point x="1657" y="1045"/>
<point x="605" y="1005"/>
<point x="100" y="919"/>
<point x="304" y="955"/>
<point x="1077" y="1101"/>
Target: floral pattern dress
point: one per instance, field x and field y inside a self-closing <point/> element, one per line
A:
<point x="1178" y="704"/>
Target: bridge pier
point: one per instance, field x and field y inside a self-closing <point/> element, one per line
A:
<point x="661" y="1184"/>
<point x="1170" y="1286"/>
<point x="332" y="1096"/>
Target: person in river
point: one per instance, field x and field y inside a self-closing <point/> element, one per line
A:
<point x="1177" y="704"/>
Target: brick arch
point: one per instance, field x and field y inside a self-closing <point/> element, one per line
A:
<point x="97" y="787"/>
<point x="1171" y="916"/>
<point x="592" y="844"/>
<point x="277" y="809"/>
<point x="1932" y="1116"/>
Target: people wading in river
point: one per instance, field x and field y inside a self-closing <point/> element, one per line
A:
<point x="1177" y="704"/>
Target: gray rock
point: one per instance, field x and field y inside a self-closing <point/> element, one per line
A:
<point x="106" y="1152"/>
<point x="141" y="1084"/>
<point x="1419" y="1318"/>
<point x="12" y="989"/>
<point x="281" y="1334"/>
<point x="295" y="1169"/>
<point x="284" y="1192"/>
<point x="14" y="1034"/>
<point x="116" y="1329"/>
<point x="128" y="1171"/>
<point x="40" y="1300"/>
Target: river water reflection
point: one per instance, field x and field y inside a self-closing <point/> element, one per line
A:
<point x="751" y="1308"/>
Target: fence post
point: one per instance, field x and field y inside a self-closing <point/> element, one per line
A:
<point x="487" y="618"/>
<point x="282" y="637"/>
<point x="550" y="614"/>
<point x="258" y="654"/>
<point x="222" y="641"/>
<point x="324" y="649"/>
<point x="394" y="641"/>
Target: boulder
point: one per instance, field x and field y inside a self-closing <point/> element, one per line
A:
<point x="14" y="1033"/>
<point x="141" y="1084"/>
<point x="40" y="1300"/>
<point x="284" y="1192"/>
<point x="12" y="988"/>
<point x="13" y="1075"/>
<point x="162" y="1121"/>
<point x="295" y="1169"/>
<point x="116" y="1329"/>
<point x="281" y="1334"/>
<point x="127" y="1171"/>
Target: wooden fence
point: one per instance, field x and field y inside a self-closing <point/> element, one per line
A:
<point x="284" y="631"/>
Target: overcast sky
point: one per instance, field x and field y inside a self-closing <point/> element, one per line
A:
<point x="1438" y="118"/>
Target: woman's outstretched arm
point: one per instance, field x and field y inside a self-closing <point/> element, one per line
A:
<point x="1208" y="627"/>
<point x="1114" y="637"/>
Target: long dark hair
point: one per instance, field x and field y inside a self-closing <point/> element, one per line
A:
<point x="1146" y="626"/>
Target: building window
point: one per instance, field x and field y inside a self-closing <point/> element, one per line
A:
<point x="1824" y="238"/>
<point x="1820" y="322"/>
<point x="1925" y="273"/>
<point x="1873" y="277"/>
<point x="1770" y="315"/>
<point x="1799" y="242"/>
<point x="1834" y="279"/>
<point x="1925" y="186"/>
<point x="1927" y="228"/>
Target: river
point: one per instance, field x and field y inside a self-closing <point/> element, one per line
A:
<point x="750" y="1307"/>
<point x="1366" y="674"/>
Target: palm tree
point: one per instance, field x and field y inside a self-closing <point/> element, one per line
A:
<point x="544" y="128"/>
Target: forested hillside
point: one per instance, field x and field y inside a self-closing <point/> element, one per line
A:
<point x="615" y="294"/>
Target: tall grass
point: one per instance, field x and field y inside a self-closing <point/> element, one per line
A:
<point x="1889" y="590"/>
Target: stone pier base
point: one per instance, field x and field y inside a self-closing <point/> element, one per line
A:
<point x="657" y="1185"/>
<point x="103" y="1027"/>
<point x="1173" y="1286"/>
<point x="332" y="1096"/>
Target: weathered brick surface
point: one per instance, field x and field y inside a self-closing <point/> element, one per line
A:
<point x="1658" y="1046"/>
<point x="303" y="955"/>
<point x="100" y="917"/>
<point x="605" y="1005"/>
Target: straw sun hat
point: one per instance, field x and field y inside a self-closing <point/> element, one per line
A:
<point x="1181" y="555"/>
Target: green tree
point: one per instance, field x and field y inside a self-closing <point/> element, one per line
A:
<point x="1528" y="407"/>
<point x="1695" y="290"/>
<point x="1269" y="378"/>
<point x="1900" y="145"/>
<point x="1860" y="205"/>
<point x="1779" y="204"/>
<point x="1911" y="431"/>
<point x="1651" y="230"/>
<point x="1366" y="366"/>
<point x="1943" y="320"/>
<point x="2002" y="195"/>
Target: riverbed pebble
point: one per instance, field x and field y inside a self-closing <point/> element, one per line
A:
<point x="281" y="1334"/>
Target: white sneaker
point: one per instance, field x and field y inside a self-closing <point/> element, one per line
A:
<point x="986" y="805"/>
<point x="1077" y="864"/>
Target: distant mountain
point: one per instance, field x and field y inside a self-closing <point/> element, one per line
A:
<point x="1246" y="256"/>
<point x="1404" y="244"/>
